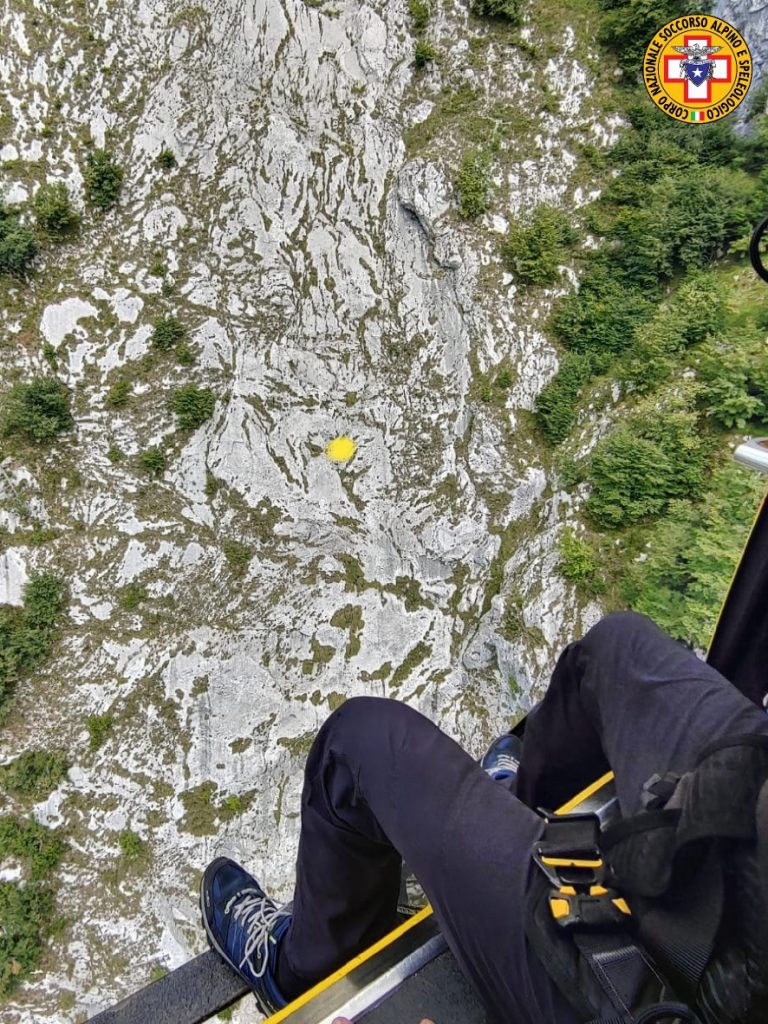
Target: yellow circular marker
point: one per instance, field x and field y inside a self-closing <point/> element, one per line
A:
<point x="340" y="449"/>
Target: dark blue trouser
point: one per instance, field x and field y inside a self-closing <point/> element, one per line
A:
<point x="383" y="782"/>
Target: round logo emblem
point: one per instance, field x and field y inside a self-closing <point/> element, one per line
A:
<point x="697" y="68"/>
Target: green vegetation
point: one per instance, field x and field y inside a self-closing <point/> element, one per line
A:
<point x="511" y="10"/>
<point x="424" y="53"/>
<point x="184" y="355"/>
<point x="99" y="728"/>
<point x="733" y="373"/>
<point x="119" y="394"/>
<point x="35" y="773"/>
<point x="558" y="401"/>
<point x="38" y="849"/>
<point x="131" y="845"/>
<point x="153" y="461"/>
<point x="26" y="633"/>
<point x="166" y="159"/>
<point x="692" y="555"/>
<point x="656" y="454"/>
<point x="627" y="26"/>
<point x="103" y="178"/>
<point x="25" y="913"/>
<point x="473" y="184"/>
<point x="418" y="12"/>
<point x="158" y="267"/>
<point x="193" y="406"/>
<point x="38" y="410"/>
<point x="579" y="563"/>
<point x="238" y="555"/>
<point x="18" y="247"/>
<point x="663" y="323"/>
<point x="115" y="454"/>
<point x="167" y="332"/>
<point x="26" y="910"/>
<point x="533" y="251"/>
<point x="54" y="211"/>
<point x="132" y="596"/>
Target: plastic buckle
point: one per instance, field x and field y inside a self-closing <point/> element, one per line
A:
<point x="568" y="853"/>
<point x="599" y="909"/>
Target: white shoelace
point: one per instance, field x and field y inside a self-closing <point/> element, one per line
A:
<point x="258" y="915"/>
<point x="504" y="763"/>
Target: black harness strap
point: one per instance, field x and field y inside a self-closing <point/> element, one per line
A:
<point x="583" y="929"/>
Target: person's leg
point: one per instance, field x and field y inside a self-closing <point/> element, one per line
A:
<point x="383" y="782"/>
<point x="628" y="698"/>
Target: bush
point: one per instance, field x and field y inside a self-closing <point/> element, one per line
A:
<point x="38" y="848"/>
<point x="734" y="380"/>
<point x="166" y="159"/>
<point x="119" y="394"/>
<point x="38" y="410"/>
<point x="115" y="454"/>
<point x="53" y="210"/>
<point x="158" y="267"/>
<point x="511" y="10"/>
<point x="424" y="54"/>
<point x="153" y="461"/>
<point x="648" y="363"/>
<point x="18" y="247"/>
<point x="602" y="316"/>
<point x="184" y="355"/>
<point x="238" y="555"/>
<point x="696" y="312"/>
<point x="193" y="406"/>
<point x="473" y="184"/>
<point x="557" y="402"/>
<point x="681" y="222"/>
<point x="99" y="727"/>
<point x="130" y="844"/>
<point x="534" y="251"/>
<point x="731" y="404"/>
<point x="35" y="773"/>
<point x="26" y="633"/>
<point x="103" y="178"/>
<point x="167" y="332"/>
<point x="26" y="909"/>
<point x="25" y="915"/>
<point x="579" y="563"/>
<point x="692" y="556"/>
<point x="132" y="596"/>
<point x="658" y="454"/>
<point x="418" y="11"/>
<point x="627" y="26"/>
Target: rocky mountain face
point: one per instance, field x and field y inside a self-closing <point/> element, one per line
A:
<point x="751" y="18"/>
<point x="312" y="250"/>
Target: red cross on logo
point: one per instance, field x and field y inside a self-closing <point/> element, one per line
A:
<point x="722" y="71"/>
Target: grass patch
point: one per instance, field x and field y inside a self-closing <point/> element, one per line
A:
<point x="192" y="405"/>
<point x="26" y="633"/>
<point x="103" y="178"/>
<point x="35" y="773"/>
<point x="153" y="461"/>
<point x="99" y="728"/>
<point x="37" y="410"/>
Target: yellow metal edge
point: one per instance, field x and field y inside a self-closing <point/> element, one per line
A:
<point x="342" y="972"/>
<point x="396" y="933"/>
<point x="586" y="793"/>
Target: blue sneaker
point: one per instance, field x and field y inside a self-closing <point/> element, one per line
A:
<point x="502" y="759"/>
<point x="244" y="926"/>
